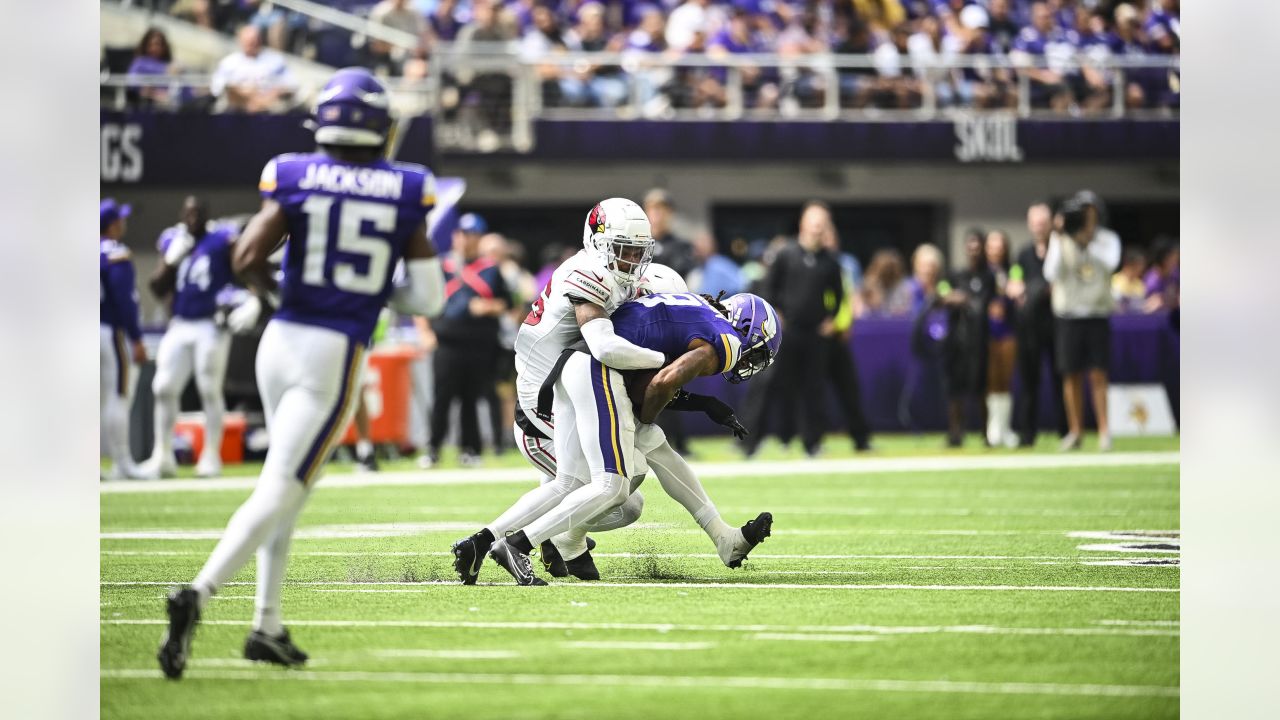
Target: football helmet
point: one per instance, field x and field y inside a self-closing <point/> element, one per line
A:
<point x="352" y="109"/>
<point x="617" y="232"/>
<point x="757" y="323"/>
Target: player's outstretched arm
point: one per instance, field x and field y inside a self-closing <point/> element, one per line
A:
<point x="700" y="360"/>
<point x="422" y="291"/>
<point x="605" y="346"/>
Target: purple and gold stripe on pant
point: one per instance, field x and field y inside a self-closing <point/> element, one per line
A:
<point x="122" y="363"/>
<point x="607" y="413"/>
<point x="333" y="425"/>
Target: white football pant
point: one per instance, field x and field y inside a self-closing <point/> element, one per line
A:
<point x="190" y="346"/>
<point x="117" y="382"/>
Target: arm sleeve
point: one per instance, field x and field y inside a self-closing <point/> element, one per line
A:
<point x="1106" y="247"/>
<point x="422" y="292"/>
<point x="124" y="294"/>
<point x="616" y="352"/>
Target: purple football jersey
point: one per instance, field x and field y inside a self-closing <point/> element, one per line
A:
<point x="668" y="322"/>
<point x="202" y="274"/>
<point x="117" y="293"/>
<point x="348" y="227"/>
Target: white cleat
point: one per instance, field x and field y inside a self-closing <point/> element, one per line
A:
<point x="209" y="468"/>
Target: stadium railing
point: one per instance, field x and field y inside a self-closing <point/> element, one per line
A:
<point x="487" y="96"/>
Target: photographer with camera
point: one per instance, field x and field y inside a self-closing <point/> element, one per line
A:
<point x="1081" y="257"/>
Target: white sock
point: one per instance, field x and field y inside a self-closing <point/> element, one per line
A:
<point x="364" y="448"/>
<point x="166" y="412"/>
<point x="601" y="494"/>
<point x="275" y="501"/>
<point x="532" y="505"/>
<point x="680" y="482"/>
<point x="572" y="543"/>
<point x="273" y="557"/>
<point x="213" y="412"/>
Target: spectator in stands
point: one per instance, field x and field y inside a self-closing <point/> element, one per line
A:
<point x="885" y="290"/>
<point x="1082" y="255"/>
<point x="197" y="12"/>
<point x="153" y="58"/>
<point x="714" y="273"/>
<point x="1002" y="26"/>
<point x="545" y="37"/>
<point x="1163" y="279"/>
<point x="444" y="20"/>
<point x="759" y="85"/>
<point x="397" y="15"/>
<point x="1042" y="41"/>
<point x="931" y="55"/>
<point x="1001" y="347"/>
<point x="277" y="23"/>
<point x="1091" y="83"/>
<point x="898" y="87"/>
<point x="686" y="21"/>
<point x="649" y="76"/>
<point x="253" y="79"/>
<point x="467" y="337"/>
<point x="1127" y="286"/>
<point x="489" y="93"/>
<point x="1034" y="328"/>
<point x="880" y="15"/>
<point x="1129" y="42"/>
<point x="671" y="250"/>
<point x="982" y="86"/>
<point x="858" y="85"/>
<point x="595" y="85"/>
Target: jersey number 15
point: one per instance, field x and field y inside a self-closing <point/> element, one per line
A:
<point x="352" y="214"/>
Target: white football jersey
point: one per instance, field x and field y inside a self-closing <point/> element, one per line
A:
<point x="552" y="325"/>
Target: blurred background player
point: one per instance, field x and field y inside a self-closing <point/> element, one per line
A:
<point x="337" y="206"/>
<point x="1034" y="329"/>
<point x="195" y="265"/>
<point x="466" y="340"/>
<point x="120" y="348"/>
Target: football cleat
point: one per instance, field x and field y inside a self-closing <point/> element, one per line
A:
<point x="183" y="608"/>
<point x="753" y="533"/>
<point x="278" y="650"/>
<point x="553" y="561"/>
<point x="367" y="463"/>
<point x="468" y="556"/>
<point x="516" y="563"/>
<point x="583" y="567"/>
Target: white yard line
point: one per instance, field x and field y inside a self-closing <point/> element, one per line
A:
<point x="807" y="630"/>
<point x="754" y="556"/>
<point x="446" y="654"/>
<point x="409" y="587"/>
<point x="669" y="682"/>
<point x="1140" y="623"/>
<point x="786" y="468"/>
<point x="624" y="645"/>
<point x="813" y="637"/>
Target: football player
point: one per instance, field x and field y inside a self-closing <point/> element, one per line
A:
<point x="350" y="218"/>
<point x="700" y="339"/>
<point x="120" y="338"/>
<point x="656" y="453"/>
<point x="195" y="266"/>
<point x="572" y="309"/>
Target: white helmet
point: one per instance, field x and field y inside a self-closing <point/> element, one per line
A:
<point x="617" y="231"/>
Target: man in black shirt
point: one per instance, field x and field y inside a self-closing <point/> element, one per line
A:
<point x="1034" y="327"/>
<point x="805" y="287"/>
<point x="965" y="348"/>
<point x="467" y="337"/>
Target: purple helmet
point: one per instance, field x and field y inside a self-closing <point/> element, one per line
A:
<point x="352" y="109"/>
<point x="757" y="322"/>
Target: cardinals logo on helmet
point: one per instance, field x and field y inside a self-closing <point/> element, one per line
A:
<point x="596" y="219"/>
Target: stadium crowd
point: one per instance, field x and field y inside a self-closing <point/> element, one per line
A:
<point x="1059" y="45"/>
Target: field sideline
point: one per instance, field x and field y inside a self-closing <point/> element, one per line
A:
<point x="901" y="584"/>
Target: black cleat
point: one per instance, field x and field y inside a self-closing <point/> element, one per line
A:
<point x="468" y="556"/>
<point x="754" y="532"/>
<point x="583" y="567"/>
<point x="553" y="562"/>
<point x="368" y="463"/>
<point x="279" y="650"/>
<point x="516" y="563"/>
<point x="184" y="612"/>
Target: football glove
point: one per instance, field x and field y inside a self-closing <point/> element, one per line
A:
<point x="244" y="318"/>
<point x="180" y="245"/>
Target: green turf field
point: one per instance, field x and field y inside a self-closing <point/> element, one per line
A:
<point x="938" y="592"/>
